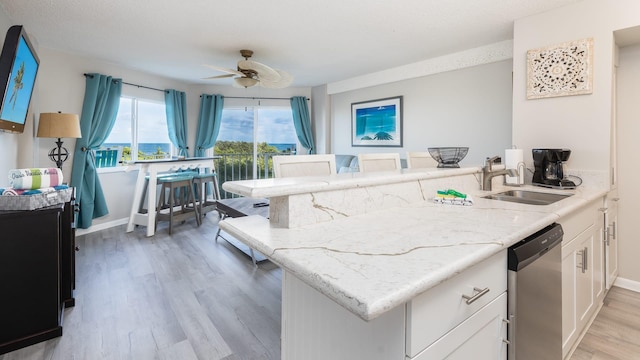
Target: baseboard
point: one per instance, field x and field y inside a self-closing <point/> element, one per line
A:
<point x="102" y="226"/>
<point x="627" y="284"/>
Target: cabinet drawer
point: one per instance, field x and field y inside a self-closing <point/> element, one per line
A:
<point x="438" y="310"/>
<point x="477" y="338"/>
<point x="579" y="221"/>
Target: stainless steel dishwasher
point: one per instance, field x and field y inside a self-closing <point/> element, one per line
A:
<point x="535" y="296"/>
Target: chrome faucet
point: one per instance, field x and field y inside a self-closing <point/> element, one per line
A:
<point x="488" y="173"/>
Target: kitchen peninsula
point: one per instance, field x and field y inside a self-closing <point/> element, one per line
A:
<point x="367" y="256"/>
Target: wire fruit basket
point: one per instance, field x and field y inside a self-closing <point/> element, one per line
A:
<point x="448" y="157"/>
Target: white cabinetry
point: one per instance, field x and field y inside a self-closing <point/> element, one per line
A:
<point x="611" y="239"/>
<point x="462" y="318"/>
<point x="582" y="270"/>
<point x="442" y="308"/>
<point x="475" y="338"/>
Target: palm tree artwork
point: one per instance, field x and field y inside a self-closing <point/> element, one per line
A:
<point x="376" y="123"/>
<point x="17" y="86"/>
<point x="382" y="135"/>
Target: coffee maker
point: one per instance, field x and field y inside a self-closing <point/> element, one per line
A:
<point x="549" y="168"/>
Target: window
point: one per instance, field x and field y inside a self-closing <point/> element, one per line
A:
<point x="141" y="129"/>
<point x="249" y="137"/>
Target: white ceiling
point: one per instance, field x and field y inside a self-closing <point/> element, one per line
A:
<point x="317" y="42"/>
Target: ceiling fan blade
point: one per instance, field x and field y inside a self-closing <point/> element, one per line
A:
<point x="264" y="72"/>
<point x="225" y="70"/>
<point x="219" y="77"/>
<point x="285" y="80"/>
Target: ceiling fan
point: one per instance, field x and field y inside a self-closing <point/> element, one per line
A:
<point x="251" y="73"/>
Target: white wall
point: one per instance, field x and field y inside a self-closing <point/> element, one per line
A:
<point x="581" y="123"/>
<point x="467" y="107"/>
<point x="321" y="118"/>
<point x="628" y="130"/>
<point x="61" y="88"/>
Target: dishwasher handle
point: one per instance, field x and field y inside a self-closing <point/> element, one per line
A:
<point x="526" y="251"/>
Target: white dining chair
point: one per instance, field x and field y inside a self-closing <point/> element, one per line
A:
<point x="379" y="162"/>
<point x="304" y="165"/>
<point x="420" y="159"/>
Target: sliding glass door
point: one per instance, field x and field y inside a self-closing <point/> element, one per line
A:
<point x="249" y="137"/>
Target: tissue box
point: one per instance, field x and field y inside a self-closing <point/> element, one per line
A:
<point x="36" y="201"/>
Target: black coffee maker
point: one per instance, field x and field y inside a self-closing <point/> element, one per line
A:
<point x="549" y="168"/>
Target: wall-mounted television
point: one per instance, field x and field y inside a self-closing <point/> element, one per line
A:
<point x="18" y="69"/>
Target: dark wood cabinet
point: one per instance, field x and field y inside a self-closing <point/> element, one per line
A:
<point x="37" y="274"/>
<point x="68" y="254"/>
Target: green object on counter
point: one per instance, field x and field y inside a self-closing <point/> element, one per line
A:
<point x="456" y="194"/>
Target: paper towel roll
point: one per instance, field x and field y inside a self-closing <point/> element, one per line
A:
<point x="514" y="159"/>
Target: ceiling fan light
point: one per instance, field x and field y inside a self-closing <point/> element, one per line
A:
<point x="246" y="82"/>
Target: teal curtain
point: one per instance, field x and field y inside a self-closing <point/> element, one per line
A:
<point x="176" y="108"/>
<point x="302" y="122"/>
<point x="99" y="110"/>
<point x="208" y="122"/>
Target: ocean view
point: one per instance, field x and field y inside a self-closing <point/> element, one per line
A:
<point x="284" y="147"/>
<point x="147" y="148"/>
<point x="152" y="148"/>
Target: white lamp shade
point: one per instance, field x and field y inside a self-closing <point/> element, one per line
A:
<point x="245" y="81"/>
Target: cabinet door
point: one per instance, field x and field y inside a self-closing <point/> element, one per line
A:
<point x="67" y="255"/>
<point x="440" y="309"/>
<point x="577" y="287"/>
<point x="29" y="275"/>
<point x="480" y="337"/>
<point x="583" y="270"/>
<point x="596" y="258"/>
<point x="611" y="241"/>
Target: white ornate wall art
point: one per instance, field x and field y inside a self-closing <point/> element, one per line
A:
<point x="560" y="70"/>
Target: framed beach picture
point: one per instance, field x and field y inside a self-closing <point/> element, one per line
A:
<point x="377" y="122"/>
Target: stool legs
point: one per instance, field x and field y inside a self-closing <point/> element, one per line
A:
<point x="175" y="200"/>
<point x="195" y="207"/>
<point x="200" y="183"/>
<point x="172" y="199"/>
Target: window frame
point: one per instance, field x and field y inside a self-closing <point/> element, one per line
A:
<point x="256" y="118"/>
<point x="135" y="122"/>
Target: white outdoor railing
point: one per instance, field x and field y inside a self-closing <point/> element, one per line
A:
<point x="232" y="167"/>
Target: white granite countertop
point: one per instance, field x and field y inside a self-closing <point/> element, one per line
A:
<point x="371" y="263"/>
<point x="264" y="188"/>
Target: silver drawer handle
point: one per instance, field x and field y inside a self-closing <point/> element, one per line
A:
<point x="477" y="295"/>
<point x="615" y="231"/>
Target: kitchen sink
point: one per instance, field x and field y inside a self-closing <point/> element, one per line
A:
<point x="528" y="197"/>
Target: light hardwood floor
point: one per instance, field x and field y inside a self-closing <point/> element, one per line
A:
<point x="167" y="297"/>
<point x="188" y="297"/>
<point x="615" y="332"/>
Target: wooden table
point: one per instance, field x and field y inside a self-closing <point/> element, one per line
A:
<point x="152" y="168"/>
<point x="239" y="207"/>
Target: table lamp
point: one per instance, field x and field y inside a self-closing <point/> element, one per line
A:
<point x="59" y="125"/>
